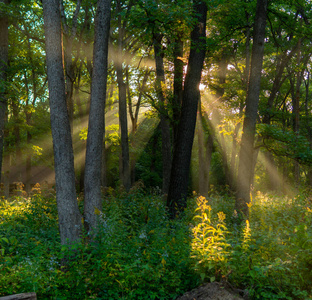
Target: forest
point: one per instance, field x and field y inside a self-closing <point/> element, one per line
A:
<point x="150" y="148"/>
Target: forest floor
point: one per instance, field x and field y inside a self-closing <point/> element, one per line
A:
<point x="214" y="291"/>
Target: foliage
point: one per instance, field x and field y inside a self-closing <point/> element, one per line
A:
<point x="149" y="164"/>
<point x="272" y="256"/>
<point x="209" y="246"/>
<point x="286" y="143"/>
<point x="139" y="254"/>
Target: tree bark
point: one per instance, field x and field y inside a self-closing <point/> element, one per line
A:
<point x="164" y="122"/>
<point x="96" y="128"/>
<point x="177" y="85"/>
<point x="24" y="296"/>
<point x="123" y="122"/>
<point x="182" y="154"/>
<point x="68" y="212"/>
<point x="308" y="122"/>
<point x="245" y="168"/>
<point x="4" y="45"/>
<point x="17" y="137"/>
<point x="296" y="112"/>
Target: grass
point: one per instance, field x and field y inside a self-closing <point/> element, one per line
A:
<point x="140" y="254"/>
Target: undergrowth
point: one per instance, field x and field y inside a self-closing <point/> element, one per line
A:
<point x="139" y="253"/>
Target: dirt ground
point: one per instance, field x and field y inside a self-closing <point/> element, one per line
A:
<point x="214" y="291"/>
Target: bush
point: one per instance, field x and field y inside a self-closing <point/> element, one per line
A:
<point x="139" y="253"/>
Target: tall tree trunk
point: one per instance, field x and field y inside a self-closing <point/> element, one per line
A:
<point x="81" y="145"/>
<point x="182" y="154"/>
<point x="6" y="163"/>
<point x="177" y="85"/>
<point x="241" y="106"/>
<point x="164" y="122"/>
<point x="202" y="171"/>
<point x="4" y="44"/>
<point x="123" y="122"/>
<point x="17" y="137"/>
<point x="245" y="168"/>
<point x="308" y="118"/>
<point x="205" y="149"/>
<point x="96" y="128"/>
<point x="28" y="114"/>
<point x="296" y="112"/>
<point x="134" y="116"/>
<point x="68" y="212"/>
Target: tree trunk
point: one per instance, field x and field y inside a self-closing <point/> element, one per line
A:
<point x="17" y="137"/>
<point x="134" y="116"/>
<point x="205" y="148"/>
<point x="182" y="154"/>
<point x="177" y="85"/>
<point x="24" y="296"/>
<point x="234" y="153"/>
<point x="296" y="112"/>
<point x="28" y="115"/>
<point x="245" y="168"/>
<point x="164" y="122"/>
<point x="123" y="122"/>
<point x="308" y="124"/>
<point x="68" y="212"/>
<point x="96" y="128"/>
<point x="4" y="44"/>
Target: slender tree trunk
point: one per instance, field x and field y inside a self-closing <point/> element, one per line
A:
<point x="296" y="112"/>
<point x="68" y="212"/>
<point x="4" y="44"/>
<point x="245" y="168"/>
<point x="177" y="86"/>
<point x="205" y="148"/>
<point x="164" y="122"/>
<point x="206" y="151"/>
<point x="6" y="164"/>
<point x="28" y="166"/>
<point x="96" y="128"/>
<point x="134" y="116"/>
<point x="28" y="115"/>
<point x="81" y="145"/>
<point x="182" y="154"/>
<point x="241" y="107"/>
<point x="202" y="189"/>
<point x="308" y="124"/>
<point x="17" y="137"/>
<point x="123" y="122"/>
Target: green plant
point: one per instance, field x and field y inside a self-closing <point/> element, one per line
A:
<point x="209" y="246"/>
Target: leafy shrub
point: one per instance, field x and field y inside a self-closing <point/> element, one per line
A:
<point x="268" y="260"/>
<point x="209" y="246"/>
<point x="139" y="253"/>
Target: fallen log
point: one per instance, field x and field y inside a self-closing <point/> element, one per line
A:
<point x="24" y="296"/>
